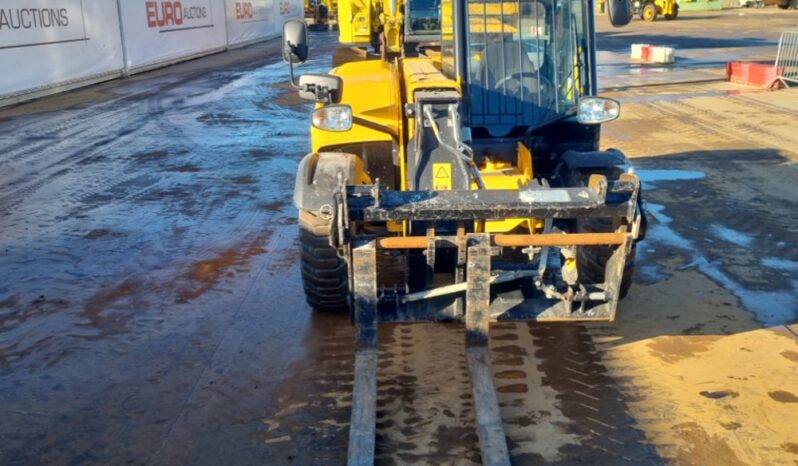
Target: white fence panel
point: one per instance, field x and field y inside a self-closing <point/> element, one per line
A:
<point x="787" y="58"/>
<point x="50" y="45"/>
<point x="157" y="32"/>
<point x="288" y="9"/>
<point x="249" y="21"/>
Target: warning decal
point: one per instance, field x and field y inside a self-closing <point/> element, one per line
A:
<point x="442" y="176"/>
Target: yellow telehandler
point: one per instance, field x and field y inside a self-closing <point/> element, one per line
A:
<point x="465" y="185"/>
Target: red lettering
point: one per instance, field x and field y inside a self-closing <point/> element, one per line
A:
<point x="244" y="10"/>
<point x="178" y="13"/>
<point x="152" y="14"/>
<point x="159" y="18"/>
<point x="169" y="13"/>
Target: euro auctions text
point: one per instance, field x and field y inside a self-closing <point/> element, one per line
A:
<point x="33" y="18"/>
<point x="244" y="10"/>
<point x="172" y="13"/>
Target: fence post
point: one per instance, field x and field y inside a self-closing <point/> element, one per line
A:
<point x="787" y="58"/>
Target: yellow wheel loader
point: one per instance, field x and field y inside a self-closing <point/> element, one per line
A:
<point x="466" y="186"/>
<point x="648" y="10"/>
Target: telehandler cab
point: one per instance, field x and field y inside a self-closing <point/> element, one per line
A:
<point x="466" y="184"/>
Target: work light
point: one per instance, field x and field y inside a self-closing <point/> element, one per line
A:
<point x="595" y="110"/>
<point x="333" y="118"/>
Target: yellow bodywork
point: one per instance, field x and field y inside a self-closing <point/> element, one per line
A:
<point x="360" y="22"/>
<point x="377" y="91"/>
<point x="667" y="7"/>
<point x="374" y="90"/>
<point x="499" y="174"/>
<point x="355" y="22"/>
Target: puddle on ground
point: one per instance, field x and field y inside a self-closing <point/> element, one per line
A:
<point x="207" y="272"/>
<point x="731" y="236"/>
<point x="649" y="176"/>
<point x="659" y="97"/>
<point x="779" y="263"/>
<point x="771" y="307"/>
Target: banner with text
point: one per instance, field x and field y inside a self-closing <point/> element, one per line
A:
<point x="158" y="31"/>
<point x="251" y="20"/>
<point x="287" y="9"/>
<point x="47" y="42"/>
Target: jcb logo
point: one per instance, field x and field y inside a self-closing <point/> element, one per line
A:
<point x="285" y="8"/>
<point x="244" y="10"/>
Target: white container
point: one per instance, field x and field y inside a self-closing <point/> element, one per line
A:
<point x="637" y="51"/>
<point x="662" y="55"/>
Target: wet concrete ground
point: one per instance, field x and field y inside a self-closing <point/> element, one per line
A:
<point x="151" y="311"/>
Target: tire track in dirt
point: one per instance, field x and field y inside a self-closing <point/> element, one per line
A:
<point x="557" y="402"/>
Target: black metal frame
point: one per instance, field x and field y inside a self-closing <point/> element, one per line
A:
<point x="534" y="298"/>
<point x="367" y="203"/>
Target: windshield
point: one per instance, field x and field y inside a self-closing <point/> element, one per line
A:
<point x="527" y="61"/>
<point x="424" y="17"/>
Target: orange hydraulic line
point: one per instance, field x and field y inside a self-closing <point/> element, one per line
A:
<point x="547" y="239"/>
<point x="403" y="242"/>
<point x="558" y="239"/>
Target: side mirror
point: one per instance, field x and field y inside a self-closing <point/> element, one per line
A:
<point x="325" y="88"/>
<point x="619" y="12"/>
<point x="295" y="41"/>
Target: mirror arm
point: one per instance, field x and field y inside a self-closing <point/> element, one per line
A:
<point x="291" y="47"/>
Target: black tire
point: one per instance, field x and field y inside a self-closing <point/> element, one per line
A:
<point x="324" y="272"/>
<point x="591" y="261"/>
<point x="674" y="15"/>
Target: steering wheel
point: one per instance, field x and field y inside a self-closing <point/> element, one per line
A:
<point x="544" y="85"/>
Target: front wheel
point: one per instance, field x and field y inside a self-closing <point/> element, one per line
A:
<point x="591" y="261"/>
<point x="324" y="273"/>
<point x="649" y="12"/>
<point x="673" y="15"/>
